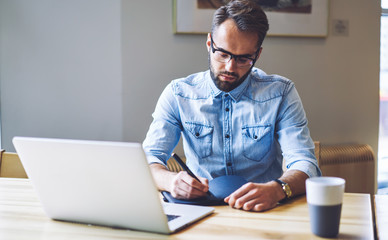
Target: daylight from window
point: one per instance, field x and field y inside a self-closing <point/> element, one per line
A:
<point x="384" y="4"/>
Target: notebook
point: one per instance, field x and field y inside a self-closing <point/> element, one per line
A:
<point x="100" y="183"/>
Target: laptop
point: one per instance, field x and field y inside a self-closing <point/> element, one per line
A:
<point x="100" y="183"/>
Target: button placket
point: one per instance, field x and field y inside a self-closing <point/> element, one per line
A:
<point x="227" y="136"/>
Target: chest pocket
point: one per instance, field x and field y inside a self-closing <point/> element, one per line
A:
<point x="257" y="141"/>
<point x="200" y="137"/>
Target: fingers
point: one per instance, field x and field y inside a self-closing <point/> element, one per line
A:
<point x="184" y="186"/>
<point x="257" y="206"/>
<point x="204" y="181"/>
<point x="245" y="193"/>
<point x="252" y="197"/>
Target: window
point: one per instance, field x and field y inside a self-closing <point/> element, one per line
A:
<point x="383" y="135"/>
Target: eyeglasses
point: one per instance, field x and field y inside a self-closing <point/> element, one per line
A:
<point x="242" y="61"/>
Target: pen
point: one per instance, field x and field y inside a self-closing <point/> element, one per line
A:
<point x="187" y="169"/>
<point x="184" y="166"/>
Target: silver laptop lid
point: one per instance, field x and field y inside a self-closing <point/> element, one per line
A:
<point x="96" y="182"/>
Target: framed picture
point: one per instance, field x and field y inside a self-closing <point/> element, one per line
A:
<point x="301" y="18"/>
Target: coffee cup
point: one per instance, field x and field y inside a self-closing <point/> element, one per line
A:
<point x="324" y="197"/>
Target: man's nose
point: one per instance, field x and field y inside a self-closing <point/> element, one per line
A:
<point x="231" y="65"/>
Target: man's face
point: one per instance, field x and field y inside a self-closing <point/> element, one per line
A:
<point x="227" y="38"/>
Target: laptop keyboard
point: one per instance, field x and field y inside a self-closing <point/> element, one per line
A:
<point x="171" y="217"/>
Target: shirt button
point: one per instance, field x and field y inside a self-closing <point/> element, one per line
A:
<point x="227" y="135"/>
<point x="227" y="109"/>
<point x="229" y="164"/>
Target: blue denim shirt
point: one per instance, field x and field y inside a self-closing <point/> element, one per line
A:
<point x="247" y="131"/>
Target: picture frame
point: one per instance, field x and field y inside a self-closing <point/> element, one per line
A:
<point x="191" y="19"/>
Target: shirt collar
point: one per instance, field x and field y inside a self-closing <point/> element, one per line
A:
<point x="235" y="93"/>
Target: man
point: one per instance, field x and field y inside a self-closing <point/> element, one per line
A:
<point x="234" y="119"/>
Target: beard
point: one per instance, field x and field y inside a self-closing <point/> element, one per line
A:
<point x="225" y="85"/>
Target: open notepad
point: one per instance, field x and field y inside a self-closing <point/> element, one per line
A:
<point x="219" y="189"/>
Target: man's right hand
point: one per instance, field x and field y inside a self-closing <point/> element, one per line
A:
<point x="181" y="185"/>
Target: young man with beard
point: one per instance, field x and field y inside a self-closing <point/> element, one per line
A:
<point x="234" y="119"/>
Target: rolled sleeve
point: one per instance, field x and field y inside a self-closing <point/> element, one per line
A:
<point x="307" y="167"/>
<point x="152" y="159"/>
<point x="294" y="135"/>
<point x="164" y="132"/>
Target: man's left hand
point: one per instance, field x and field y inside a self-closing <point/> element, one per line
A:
<point x="256" y="196"/>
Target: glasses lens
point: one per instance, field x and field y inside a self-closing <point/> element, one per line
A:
<point x="243" y="62"/>
<point x="225" y="57"/>
<point x="222" y="57"/>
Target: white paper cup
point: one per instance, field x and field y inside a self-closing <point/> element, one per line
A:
<point x="324" y="198"/>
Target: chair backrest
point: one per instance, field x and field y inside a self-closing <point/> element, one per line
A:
<point x="317" y="150"/>
<point x="11" y="166"/>
<point x="353" y="162"/>
<point x="173" y="166"/>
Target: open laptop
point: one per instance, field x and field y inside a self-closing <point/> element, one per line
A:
<point x="101" y="183"/>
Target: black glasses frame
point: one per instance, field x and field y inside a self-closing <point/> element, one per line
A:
<point x="248" y="56"/>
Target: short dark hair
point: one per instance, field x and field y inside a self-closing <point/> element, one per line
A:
<point x="248" y="16"/>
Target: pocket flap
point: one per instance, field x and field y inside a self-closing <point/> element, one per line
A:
<point x="198" y="130"/>
<point x="256" y="133"/>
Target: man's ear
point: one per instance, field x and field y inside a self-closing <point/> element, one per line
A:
<point x="257" y="56"/>
<point x="208" y="42"/>
<point x="259" y="53"/>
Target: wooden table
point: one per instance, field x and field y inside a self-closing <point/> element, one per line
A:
<point x="22" y="217"/>
<point x="381" y="215"/>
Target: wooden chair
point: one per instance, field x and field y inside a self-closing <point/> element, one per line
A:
<point x="317" y="151"/>
<point x="173" y="166"/>
<point x="353" y="162"/>
<point x="11" y="166"/>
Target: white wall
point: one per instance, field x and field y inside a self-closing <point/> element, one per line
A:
<point x="60" y="69"/>
<point x="57" y="81"/>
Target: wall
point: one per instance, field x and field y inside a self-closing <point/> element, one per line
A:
<point x="104" y="85"/>
<point x="60" y="69"/>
